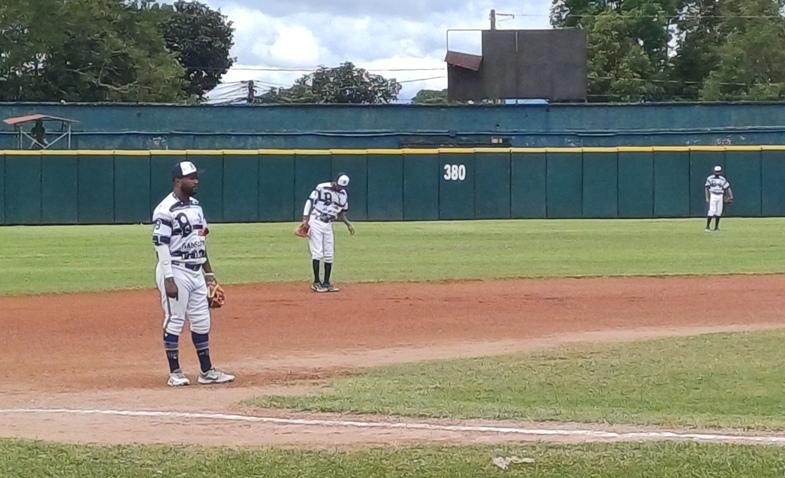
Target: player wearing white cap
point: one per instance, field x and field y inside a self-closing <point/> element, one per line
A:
<point x="327" y="203"/>
<point x="183" y="271"/>
<point x="716" y="189"/>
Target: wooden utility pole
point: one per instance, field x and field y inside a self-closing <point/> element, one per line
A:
<point x="251" y="92"/>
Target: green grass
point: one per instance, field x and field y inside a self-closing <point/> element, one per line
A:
<point x="80" y="258"/>
<point x="38" y="459"/>
<point x="717" y="380"/>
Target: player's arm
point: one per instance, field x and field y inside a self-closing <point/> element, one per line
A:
<point x="345" y="219"/>
<point x="209" y="275"/>
<point x="729" y="192"/>
<point x="162" y="236"/>
<point x="706" y="192"/>
<point x="309" y="205"/>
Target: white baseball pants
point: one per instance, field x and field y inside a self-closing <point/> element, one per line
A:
<point x="715" y="205"/>
<point x="191" y="302"/>
<point x="321" y="240"/>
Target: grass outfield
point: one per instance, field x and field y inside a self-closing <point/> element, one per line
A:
<point x="724" y="380"/>
<point x="81" y="258"/>
<point x="36" y="459"/>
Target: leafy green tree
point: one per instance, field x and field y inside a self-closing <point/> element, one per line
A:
<point x="628" y="45"/>
<point x="697" y="47"/>
<point x="201" y="38"/>
<point x="342" y="84"/>
<point x="618" y="67"/>
<point x="751" y="62"/>
<point x="83" y="50"/>
<point x="648" y="22"/>
<point x="430" y="97"/>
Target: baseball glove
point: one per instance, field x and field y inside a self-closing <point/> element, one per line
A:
<point x="216" y="297"/>
<point x="302" y="230"/>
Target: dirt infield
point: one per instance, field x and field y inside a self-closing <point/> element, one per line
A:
<point x="103" y="351"/>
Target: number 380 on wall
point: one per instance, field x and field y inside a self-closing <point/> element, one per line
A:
<point x="454" y="172"/>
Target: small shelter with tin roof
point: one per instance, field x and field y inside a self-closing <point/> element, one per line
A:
<point x="38" y="139"/>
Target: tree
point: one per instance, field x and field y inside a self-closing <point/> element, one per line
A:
<point x="201" y="38"/>
<point x="618" y="68"/>
<point x="751" y="62"/>
<point x="342" y="84"/>
<point x="698" y="40"/>
<point x="627" y="44"/>
<point x="430" y="97"/>
<point x="648" y="22"/>
<point x="83" y="50"/>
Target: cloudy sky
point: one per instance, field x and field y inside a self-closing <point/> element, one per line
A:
<point x="401" y="39"/>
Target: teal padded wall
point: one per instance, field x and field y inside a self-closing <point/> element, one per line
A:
<point x="94" y="187"/>
<point x="456" y="185"/>
<point x="743" y="170"/>
<point x="132" y="189"/>
<point x="636" y="184"/>
<point x="59" y="189"/>
<point x="564" y="189"/>
<point x="385" y="182"/>
<point x="672" y="184"/>
<point x="276" y="200"/>
<point x="600" y="184"/>
<point x="492" y="185"/>
<point x="2" y="189"/>
<point x="773" y="174"/>
<point x="421" y="178"/>
<point x="240" y="188"/>
<point x="22" y="189"/>
<point x="528" y="193"/>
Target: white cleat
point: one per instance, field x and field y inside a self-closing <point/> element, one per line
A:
<point x="329" y="287"/>
<point x="178" y="379"/>
<point x="215" y="376"/>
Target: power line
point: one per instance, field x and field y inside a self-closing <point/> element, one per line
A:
<point x="311" y="68"/>
<point x="661" y="15"/>
<point x="422" y="79"/>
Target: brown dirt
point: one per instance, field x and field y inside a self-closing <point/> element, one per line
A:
<point x="103" y="350"/>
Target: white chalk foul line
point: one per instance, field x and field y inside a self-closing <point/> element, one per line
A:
<point x="545" y="432"/>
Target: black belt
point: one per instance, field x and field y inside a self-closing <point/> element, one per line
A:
<point x="193" y="267"/>
<point x="324" y="218"/>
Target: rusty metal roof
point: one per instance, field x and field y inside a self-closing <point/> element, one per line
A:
<point x="34" y="117"/>
<point x="463" y="60"/>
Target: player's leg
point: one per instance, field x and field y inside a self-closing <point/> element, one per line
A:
<point x="718" y="212"/>
<point x="199" y="318"/>
<point x="174" y="319"/>
<point x="711" y="213"/>
<point x="329" y="258"/>
<point x="315" y="244"/>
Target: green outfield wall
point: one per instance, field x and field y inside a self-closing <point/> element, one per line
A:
<point x="159" y="126"/>
<point x="105" y="187"/>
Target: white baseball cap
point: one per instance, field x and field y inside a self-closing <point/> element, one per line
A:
<point x="342" y="180"/>
<point x="183" y="169"/>
<point x="718" y="169"/>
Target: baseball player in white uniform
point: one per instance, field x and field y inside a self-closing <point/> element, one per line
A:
<point x="327" y="203"/>
<point x="715" y="189"/>
<point x="183" y="270"/>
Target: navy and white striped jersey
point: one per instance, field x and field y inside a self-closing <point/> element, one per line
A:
<point x="717" y="184"/>
<point x="326" y="202"/>
<point x="181" y="225"/>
